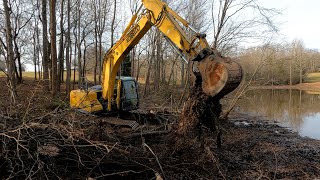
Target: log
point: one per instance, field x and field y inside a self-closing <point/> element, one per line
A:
<point x="220" y="75"/>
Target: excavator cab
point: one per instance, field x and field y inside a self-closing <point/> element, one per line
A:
<point x="90" y="100"/>
<point x="128" y="94"/>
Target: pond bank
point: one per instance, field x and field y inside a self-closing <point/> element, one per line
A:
<point x="254" y="148"/>
<point x="304" y="86"/>
<point x="296" y="109"/>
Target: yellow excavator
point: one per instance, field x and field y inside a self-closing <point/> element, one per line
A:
<point x="219" y="75"/>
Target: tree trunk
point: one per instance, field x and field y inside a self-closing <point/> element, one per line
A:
<point x="35" y="47"/>
<point x="158" y="60"/>
<point x="182" y="73"/>
<point x="147" y="83"/>
<point x="290" y="72"/>
<point x="113" y="21"/>
<point x="68" y="63"/>
<point x="300" y="68"/>
<point x="74" y="59"/>
<point x="84" y="58"/>
<point x="61" y="51"/>
<point x="45" y="56"/>
<point x="99" y="57"/>
<point x="138" y="66"/>
<point x="133" y="54"/>
<point x="10" y="54"/>
<point x="96" y="44"/>
<point x="38" y="48"/>
<point x="172" y="68"/>
<point x="54" y="76"/>
<point x="112" y="35"/>
<point x="18" y="58"/>
<point x="79" y="43"/>
<point x="149" y="58"/>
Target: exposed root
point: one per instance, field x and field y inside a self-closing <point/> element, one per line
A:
<point x="199" y="111"/>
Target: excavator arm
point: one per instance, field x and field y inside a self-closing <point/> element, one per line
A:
<point x="207" y="64"/>
<point x="158" y="14"/>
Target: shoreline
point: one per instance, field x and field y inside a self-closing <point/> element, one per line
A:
<point x="304" y="86"/>
<point x="263" y="147"/>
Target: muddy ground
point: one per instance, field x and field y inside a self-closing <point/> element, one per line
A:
<point x="42" y="139"/>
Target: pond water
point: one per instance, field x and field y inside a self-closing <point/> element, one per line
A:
<point x="296" y="109"/>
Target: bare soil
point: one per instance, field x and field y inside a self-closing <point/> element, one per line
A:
<point x="42" y="139"/>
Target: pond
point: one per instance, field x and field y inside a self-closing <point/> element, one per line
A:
<point x="296" y="109"/>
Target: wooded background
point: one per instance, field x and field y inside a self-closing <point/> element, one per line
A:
<point x="67" y="40"/>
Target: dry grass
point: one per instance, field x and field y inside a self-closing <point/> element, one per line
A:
<point x="30" y="75"/>
<point x="312" y="77"/>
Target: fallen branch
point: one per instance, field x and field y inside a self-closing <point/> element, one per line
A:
<point x="157" y="159"/>
<point x="148" y="133"/>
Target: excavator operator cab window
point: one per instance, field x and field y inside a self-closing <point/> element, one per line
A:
<point x="130" y="101"/>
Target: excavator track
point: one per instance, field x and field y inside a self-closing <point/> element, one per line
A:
<point x="138" y="119"/>
<point x="121" y="122"/>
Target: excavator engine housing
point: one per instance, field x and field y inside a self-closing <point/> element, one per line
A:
<point x="125" y="97"/>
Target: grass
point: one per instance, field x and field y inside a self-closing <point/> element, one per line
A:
<point x="312" y="77"/>
<point x="30" y="75"/>
<point x="90" y="77"/>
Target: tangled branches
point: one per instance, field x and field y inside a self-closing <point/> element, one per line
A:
<point x="65" y="148"/>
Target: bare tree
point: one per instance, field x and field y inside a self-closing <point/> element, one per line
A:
<point x="113" y="21"/>
<point x="298" y="49"/>
<point x="68" y="45"/>
<point x="21" y="19"/>
<point x="60" y="74"/>
<point x="10" y="53"/>
<point x="45" y="45"/>
<point x="78" y="40"/>
<point x="101" y="8"/>
<point x="232" y="25"/>
<point x="35" y="49"/>
<point x="53" y="30"/>
<point x="35" y="40"/>
<point x="86" y="29"/>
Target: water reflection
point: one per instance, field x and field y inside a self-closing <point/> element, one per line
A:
<point x="296" y="109"/>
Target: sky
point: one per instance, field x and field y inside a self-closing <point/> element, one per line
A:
<point x="299" y="20"/>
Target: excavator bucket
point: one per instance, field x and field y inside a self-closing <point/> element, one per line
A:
<point x="220" y="75"/>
